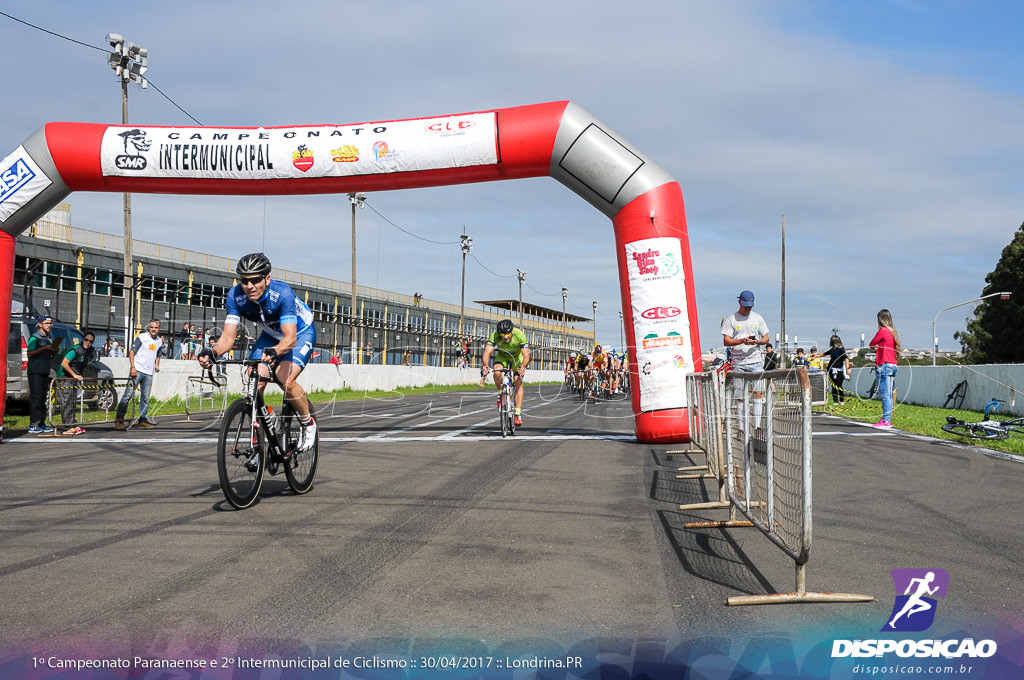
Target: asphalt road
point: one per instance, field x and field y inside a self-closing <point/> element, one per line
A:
<point x="425" y="529"/>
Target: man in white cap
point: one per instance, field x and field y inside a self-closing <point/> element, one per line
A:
<point x="744" y="333"/>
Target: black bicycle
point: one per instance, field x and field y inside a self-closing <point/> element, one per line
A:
<point x="989" y="428"/>
<point x="874" y="383"/>
<point x="506" y="396"/>
<point x="955" y="399"/>
<point x="254" y="439"/>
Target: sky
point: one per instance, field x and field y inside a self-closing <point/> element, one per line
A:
<point x="885" y="134"/>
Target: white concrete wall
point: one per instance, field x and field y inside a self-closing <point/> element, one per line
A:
<point x="173" y="378"/>
<point x="929" y="385"/>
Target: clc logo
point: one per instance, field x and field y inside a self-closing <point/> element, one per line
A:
<point x="661" y="312"/>
<point x="450" y="126"/>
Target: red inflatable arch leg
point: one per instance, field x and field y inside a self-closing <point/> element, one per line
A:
<point x="653" y="255"/>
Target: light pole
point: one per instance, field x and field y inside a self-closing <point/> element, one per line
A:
<point x="935" y="338"/>
<point x="565" y="331"/>
<point x="130" y="62"/>
<point x="357" y="199"/>
<point x="522" y="277"/>
<point x="622" y="327"/>
<point x="467" y="248"/>
<point x="595" y="322"/>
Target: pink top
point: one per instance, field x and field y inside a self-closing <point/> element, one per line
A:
<point x="885" y="345"/>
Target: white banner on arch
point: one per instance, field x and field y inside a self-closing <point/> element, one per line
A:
<point x="301" y="151"/>
<point x="661" y="329"/>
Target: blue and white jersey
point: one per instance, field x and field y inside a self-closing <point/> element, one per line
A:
<point x="277" y="306"/>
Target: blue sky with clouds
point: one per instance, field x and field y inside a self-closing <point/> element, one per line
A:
<point x="887" y="132"/>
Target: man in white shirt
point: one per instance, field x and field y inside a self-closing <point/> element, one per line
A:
<point x="744" y="333"/>
<point x="144" y="358"/>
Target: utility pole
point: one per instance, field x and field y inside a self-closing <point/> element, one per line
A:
<point x="565" y="333"/>
<point x="357" y="199"/>
<point x="130" y="62"/>
<point x="467" y="248"/>
<point x="782" y="319"/>
<point x="522" y="277"/>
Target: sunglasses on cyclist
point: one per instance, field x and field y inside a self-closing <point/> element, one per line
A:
<point x="251" y="281"/>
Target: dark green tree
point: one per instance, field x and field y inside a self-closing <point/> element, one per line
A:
<point x="994" y="335"/>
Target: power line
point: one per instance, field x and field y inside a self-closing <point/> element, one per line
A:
<point x="101" y="49"/>
<point x="406" y="231"/>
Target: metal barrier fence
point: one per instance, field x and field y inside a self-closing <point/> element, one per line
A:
<point x="755" y="431"/>
<point x="94" y="400"/>
<point x="200" y="389"/>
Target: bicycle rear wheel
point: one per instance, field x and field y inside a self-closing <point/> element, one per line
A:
<point x="975" y="431"/>
<point x="300" y="468"/>
<point x="511" y="413"/>
<point x="241" y="456"/>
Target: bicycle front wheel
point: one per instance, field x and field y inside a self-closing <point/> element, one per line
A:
<point x="503" y="413"/>
<point x="1015" y="426"/>
<point x="300" y="468"/>
<point x="974" y="431"/>
<point x="241" y="456"/>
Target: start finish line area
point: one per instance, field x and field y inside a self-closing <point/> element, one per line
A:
<point x="423" y="522"/>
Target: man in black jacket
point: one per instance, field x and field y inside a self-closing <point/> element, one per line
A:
<point x="41" y="348"/>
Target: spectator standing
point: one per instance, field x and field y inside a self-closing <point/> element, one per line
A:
<point x="886" y="344"/>
<point x="41" y="348"/>
<point x="744" y="333"/>
<point x="72" y="368"/>
<point x="771" y="359"/>
<point x="837" y="368"/>
<point x="144" y="357"/>
<point x="186" y="346"/>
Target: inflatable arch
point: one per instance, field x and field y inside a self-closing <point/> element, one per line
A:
<point x="559" y="139"/>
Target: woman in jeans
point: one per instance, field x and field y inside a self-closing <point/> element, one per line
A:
<point x="886" y="344"/>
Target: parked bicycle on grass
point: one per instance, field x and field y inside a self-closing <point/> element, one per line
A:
<point x="989" y="428"/>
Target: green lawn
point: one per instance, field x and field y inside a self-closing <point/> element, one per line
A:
<point x="921" y="420"/>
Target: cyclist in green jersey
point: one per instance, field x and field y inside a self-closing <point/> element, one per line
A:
<point x="513" y="352"/>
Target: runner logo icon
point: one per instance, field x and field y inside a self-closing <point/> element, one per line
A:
<point x="915" y="606"/>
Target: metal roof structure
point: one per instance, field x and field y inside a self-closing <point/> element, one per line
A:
<point x="530" y="309"/>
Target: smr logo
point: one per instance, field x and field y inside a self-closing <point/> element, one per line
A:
<point x="914" y="610"/>
<point x="129" y="161"/>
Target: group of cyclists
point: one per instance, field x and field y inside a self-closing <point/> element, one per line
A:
<point x="287" y="337"/>
<point x="604" y="369"/>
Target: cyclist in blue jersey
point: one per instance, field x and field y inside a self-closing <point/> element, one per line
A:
<point x="287" y="332"/>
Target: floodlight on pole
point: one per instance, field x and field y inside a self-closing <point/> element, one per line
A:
<point x="129" y="62"/>
<point x="565" y="334"/>
<point x="466" y="243"/>
<point x="522" y="277"/>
